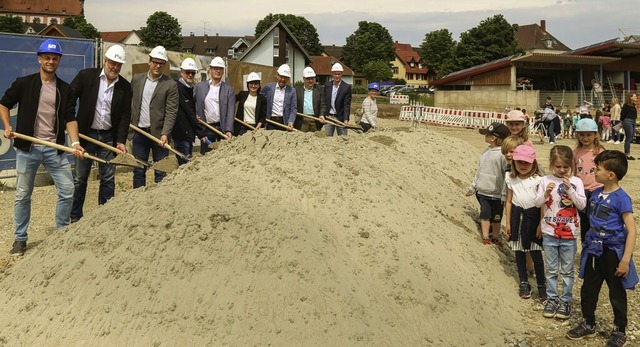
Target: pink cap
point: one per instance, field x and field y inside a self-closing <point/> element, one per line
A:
<point x="524" y="153"/>
<point x="516" y="116"/>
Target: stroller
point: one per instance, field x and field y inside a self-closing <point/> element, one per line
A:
<point x="539" y="127"/>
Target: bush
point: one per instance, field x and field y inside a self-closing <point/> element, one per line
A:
<point x="359" y="90"/>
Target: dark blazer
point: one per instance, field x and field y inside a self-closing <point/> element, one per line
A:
<point x="318" y="101"/>
<point x="261" y="109"/>
<point x="343" y="100"/>
<point x="289" y="107"/>
<point x="227" y="103"/>
<point x="186" y="126"/>
<point x="26" y="91"/>
<point x="163" y="107"/>
<point x="85" y="86"/>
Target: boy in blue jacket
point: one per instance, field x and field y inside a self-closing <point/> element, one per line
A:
<point x="607" y="249"/>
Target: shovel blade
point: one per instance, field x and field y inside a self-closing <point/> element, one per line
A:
<point x="168" y="164"/>
<point x="126" y="160"/>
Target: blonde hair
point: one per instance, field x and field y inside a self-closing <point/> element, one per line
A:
<point x="564" y="154"/>
<point x="597" y="146"/>
<point x="511" y="142"/>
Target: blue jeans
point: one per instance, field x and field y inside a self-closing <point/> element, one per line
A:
<point x="559" y="254"/>
<point x="330" y="129"/>
<point x="83" y="169"/>
<point x="26" y="167"/>
<point x="185" y="147"/>
<point x="141" y="147"/>
<point x="629" y="126"/>
<point x="552" y="131"/>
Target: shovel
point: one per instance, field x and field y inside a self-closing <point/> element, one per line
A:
<point x="245" y="124"/>
<point x="280" y="125"/>
<point x="167" y="164"/>
<point x="223" y="135"/>
<point x="62" y="148"/>
<point x="332" y="122"/>
<point x="121" y="158"/>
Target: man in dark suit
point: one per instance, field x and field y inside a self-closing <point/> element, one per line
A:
<point x="311" y="101"/>
<point x="153" y="109"/>
<point x="281" y="99"/>
<point x="186" y="126"/>
<point x="338" y="98"/>
<point x="104" y="114"/>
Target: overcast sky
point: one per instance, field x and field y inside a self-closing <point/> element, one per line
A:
<point x="576" y="23"/>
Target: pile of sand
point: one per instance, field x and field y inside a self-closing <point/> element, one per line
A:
<point x="277" y="239"/>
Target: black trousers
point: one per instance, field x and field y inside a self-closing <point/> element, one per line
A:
<point x="603" y="270"/>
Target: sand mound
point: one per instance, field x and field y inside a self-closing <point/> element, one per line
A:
<point x="276" y="239"/>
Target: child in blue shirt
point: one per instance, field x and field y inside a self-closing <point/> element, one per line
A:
<point x="607" y="249"/>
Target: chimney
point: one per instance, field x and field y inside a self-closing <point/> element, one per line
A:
<point x="543" y="25"/>
<point x="206" y="37"/>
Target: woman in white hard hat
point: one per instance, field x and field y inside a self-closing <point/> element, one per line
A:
<point x="370" y="108"/>
<point x="252" y="106"/>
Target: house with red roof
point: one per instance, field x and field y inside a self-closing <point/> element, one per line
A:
<point x="130" y="37"/>
<point x="42" y="11"/>
<point x="409" y="66"/>
<point x="322" y="64"/>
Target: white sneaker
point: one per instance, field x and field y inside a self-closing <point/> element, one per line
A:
<point x="552" y="143"/>
<point x="610" y="141"/>
<point x="616" y="143"/>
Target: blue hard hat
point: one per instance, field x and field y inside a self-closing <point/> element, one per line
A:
<point x="586" y="125"/>
<point x="374" y="85"/>
<point x="50" y="46"/>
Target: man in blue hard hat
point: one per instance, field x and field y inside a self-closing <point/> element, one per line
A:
<point x="44" y="113"/>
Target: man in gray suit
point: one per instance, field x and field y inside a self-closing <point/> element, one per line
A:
<point x="153" y="109"/>
<point x="215" y="104"/>
<point x="311" y="102"/>
<point x="281" y="99"/>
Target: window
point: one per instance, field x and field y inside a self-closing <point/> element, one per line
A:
<point x="276" y="37"/>
<point x="420" y="66"/>
<point x="54" y="20"/>
<point x="211" y="51"/>
<point x="230" y="52"/>
<point x="548" y="43"/>
<point x="411" y="64"/>
<point x="395" y="70"/>
<point x="358" y="82"/>
<point x="276" y="51"/>
<point x="187" y="50"/>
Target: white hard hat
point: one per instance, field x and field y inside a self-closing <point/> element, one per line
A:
<point x="308" y="72"/>
<point x="217" y="62"/>
<point x="337" y="67"/>
<point x="284" y="70"/>
<point x="159" y="53"/>
<point x="189" y="64"/>
<point x="116" y="53"/>
<point x="253" y="77"/>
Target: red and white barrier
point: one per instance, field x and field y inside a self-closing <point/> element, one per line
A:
<point x="450" y="117"/>
<point x="399" y="99"/>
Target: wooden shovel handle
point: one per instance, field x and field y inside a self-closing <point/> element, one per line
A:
<point x="245" y="124"/>
<point x="280" y="125"/>
<point x="158" y="141"/>
<point x="100" y="143"/>
<point x="213" y="129"/>
<point x="57" y="146"/>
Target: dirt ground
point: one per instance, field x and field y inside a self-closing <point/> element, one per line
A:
<point x="537" y="331"/>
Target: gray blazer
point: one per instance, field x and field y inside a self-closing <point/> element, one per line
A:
<point x="163" y="107"/>
<point x="227" y="103"/>
<point x="290" y="106"/>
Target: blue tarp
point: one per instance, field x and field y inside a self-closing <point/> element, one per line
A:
<point x="18" y="58"/>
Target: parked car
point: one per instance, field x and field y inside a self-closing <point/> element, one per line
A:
<point x="404" y="89"/>
<point x="391" y="90"/>
<point x="383" y="88"/>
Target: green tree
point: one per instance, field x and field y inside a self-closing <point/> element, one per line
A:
<point x="80" y="24"/>
<point x="12" y="24"/>
<point x="437" y="50"/>
<point x="377" y="70"/>
<point x="371" y="41"/>
<point x="305" y="32"/>
<point x="162" y="30"/>
<point x="492" y="39"/>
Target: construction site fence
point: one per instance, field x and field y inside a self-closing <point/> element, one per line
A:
<point x="450" y="117"/>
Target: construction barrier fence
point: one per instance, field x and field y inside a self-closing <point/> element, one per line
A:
<point x="450" y="117"/>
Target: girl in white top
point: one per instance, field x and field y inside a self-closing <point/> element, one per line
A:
<point x="615" y="120"/>
<point x="561" y="195"/>
<point x="370" y="108"/>
<point x="523" y="218"/>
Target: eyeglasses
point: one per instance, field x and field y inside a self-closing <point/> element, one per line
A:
<point x="254" y="83"/>
<point x="190" y="72"/>
<point x="158" y="63"/>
